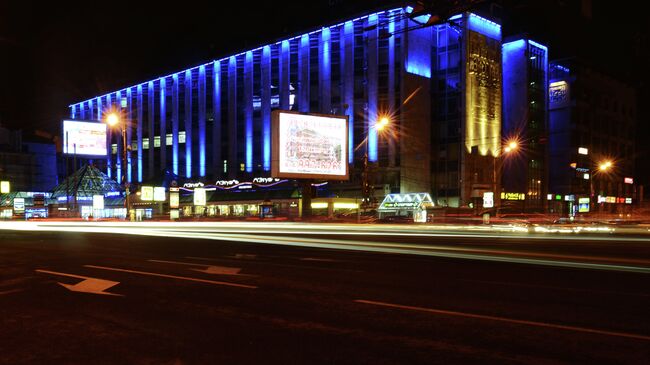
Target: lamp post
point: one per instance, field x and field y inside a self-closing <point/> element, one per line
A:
<point x="113" y="120"/>
<point x="497" y="171"/>
<point x="382" y="125"/>
<point x="603" y="167"/>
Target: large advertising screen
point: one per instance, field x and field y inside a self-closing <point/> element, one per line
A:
<point x="310" y="146"/>
<point x="84" y="138"/>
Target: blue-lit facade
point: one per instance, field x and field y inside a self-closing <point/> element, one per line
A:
<point x="525" y="120"/>
<point x="212" y="121"/>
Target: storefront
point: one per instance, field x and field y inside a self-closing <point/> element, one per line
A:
<point x="411" y="205"/>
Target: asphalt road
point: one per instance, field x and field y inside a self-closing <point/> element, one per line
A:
<point x="172" y="300"/>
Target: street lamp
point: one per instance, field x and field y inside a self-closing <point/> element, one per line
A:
<point x="113" y="120"/>
<point x="382" y="125"/>
<point x="511" y="146"/>
<point x="603" y="167"/>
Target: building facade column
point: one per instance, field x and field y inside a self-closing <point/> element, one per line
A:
<point x="248" y="109"/>
<point x="265" y="94"/>
<point x="232" y="117"/>
<point x="284" y="64"/>
<point x="303" y="74"/>
<point x="187" y="82"/>
<point x="324" y="71"/>
<point x="217" y="164"/>
<point x="201" y="131"/>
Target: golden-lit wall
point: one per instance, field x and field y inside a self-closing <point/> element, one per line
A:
<point x="483" y="94"/>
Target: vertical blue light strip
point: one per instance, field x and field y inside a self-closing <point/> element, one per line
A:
<point x="266" y="106"/>
<point x="139" y="131"/>
<point x="109" y="137"/>
<point x="233" y="157"/>
<point x="152" y="131"/>
<point x="163" y="123"/>
<point x="82" y="111"/>
<point x="91" y="109"/>
<point x="324" y="74"/>
<point x="303" y="74"/>
<point x="72" y="113"/>
<point x="202" y="121"/>
<point x="118" y="156"/>
<point x="188" y="123"/>
<point x="283" y="69"/>
<point x="248" y="109"/>
<point x="217" y="166"/>
<point x="347" y="70"/>
<point x="373" y="77"/>
<point x="175" y="124"/>
<point x="129" y="134"/>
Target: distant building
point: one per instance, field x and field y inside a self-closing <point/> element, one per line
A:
<point x="592" y="122"/>
<point x="28" y="162"/>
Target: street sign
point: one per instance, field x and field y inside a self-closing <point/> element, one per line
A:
<point x="488" y="199"/>
<point x="5" y="187"/>
<point x="199" y="196"/>
<point x="159" y="194"/>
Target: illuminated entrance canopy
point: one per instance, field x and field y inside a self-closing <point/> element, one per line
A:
<point x="411" y="201"/>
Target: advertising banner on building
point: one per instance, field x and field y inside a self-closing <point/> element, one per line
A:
<point x="84" y="138"/>
<point x="483" y="93"/>
<point x="199" y="196"/>
<point x="309" y="146"/>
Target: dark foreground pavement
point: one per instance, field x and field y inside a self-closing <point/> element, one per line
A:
<point x="182" y="301"/>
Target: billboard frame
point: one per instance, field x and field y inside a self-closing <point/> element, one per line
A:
<point x="275" y="148"/>
<point x="83" y="155"/>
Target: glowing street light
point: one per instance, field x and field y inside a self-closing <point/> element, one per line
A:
<point x="605" y="166"/>
<point x="382" y="123"/>
<point x="112" y="119"/>
<point x="511" y="146"/>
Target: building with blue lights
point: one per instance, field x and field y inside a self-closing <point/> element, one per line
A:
<point x="592" y="119"/>
<point x="440" y="86"/>
<point x="525" y="120"/>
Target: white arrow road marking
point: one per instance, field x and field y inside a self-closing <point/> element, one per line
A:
<point x="88" y="285"/>
<point x="209" y="269"/>
<point x="172" y="276"/>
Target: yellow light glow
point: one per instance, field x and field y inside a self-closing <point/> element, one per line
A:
<point x="346" y="206"/>
<point x="513" y="145"/>
<point x="382" y="123"/>
<point x="112" y="119"/>
<point x="5" y="187"/>
<point x="318" y="205"/>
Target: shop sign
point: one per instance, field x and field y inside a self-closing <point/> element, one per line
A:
<point x="192" y="185"/>
<point x="629" y="180"/>
<point x="628" y="200"/>
<point x="5" y="187"/>
<point x="146" y="193"/>
<point x="19" y="205"/>
<point x="173" y="199"/>
<point x="488" y="199"/>
<point x="199" y="196"/>
<point x="513" y="196"/>
<point x="159" y="193"/>
<point x="98" y="202"/>
<point x="583" y="205"/>
<point x="401" y="205"/>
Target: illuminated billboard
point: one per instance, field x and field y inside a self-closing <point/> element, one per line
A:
<point x="84" y="138"/>
<point x="309" y="146"/>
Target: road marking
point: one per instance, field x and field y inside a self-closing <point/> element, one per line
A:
<point x="172" y="276"/>
<point x="209" y="269"/>
<point x="88" y="285"/>
<point x="317" y="259"/>
<point x="507" y="320"/>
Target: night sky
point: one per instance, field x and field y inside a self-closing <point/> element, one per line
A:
<point x="55" y="53"/>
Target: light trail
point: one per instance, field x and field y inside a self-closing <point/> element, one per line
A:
<point x="247" y="232"/>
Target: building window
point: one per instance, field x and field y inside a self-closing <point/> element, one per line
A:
<point x="225" y="166"/>
<point x="156" y="141"/>
<point x="145" y="143"/>
<point x="242" y="166"/>
<point x="181" y="137"/>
